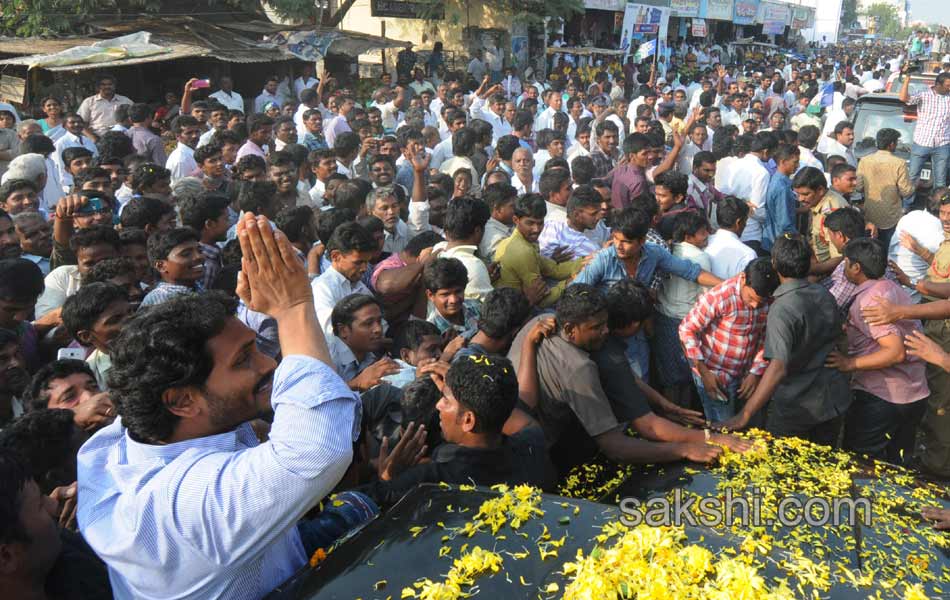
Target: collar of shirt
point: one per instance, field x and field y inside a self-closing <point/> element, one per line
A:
<point x="699" y="185"/>
<point x="185" y="150"/>
<point x="790" y="286"/>
<point x="345" y="361"/>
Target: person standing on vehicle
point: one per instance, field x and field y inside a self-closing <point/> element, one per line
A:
<point x="883" y="177"/>
<point x="932" y="133"/>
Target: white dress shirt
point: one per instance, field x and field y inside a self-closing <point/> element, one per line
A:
<point x="808" y="159"/>
<point x="181" y="162"/>
<point x="328" y="289"/>
<point x="836" y="148"/>
<point x="500" y="127"/>
<point x="300" y="84"/>
<point x="479" y="281"/>
<point x="928" y="232"/>
<point x="217" y="515"/>
<point x="61" y="283"/>
<point x="264" y="98"/>
<point x="728" y="256"/>
<point x="441" y="153"/>
<point x="750" y="182"/>
<point x="70" y="140"/>
<point x="233" y="101"/>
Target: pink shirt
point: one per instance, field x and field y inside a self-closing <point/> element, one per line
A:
<point x="901" y="383"/>
<point x="394" y="261"/>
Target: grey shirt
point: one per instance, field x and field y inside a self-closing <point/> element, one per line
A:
<point x="803" y="325"/>
<point x="569" y="387"/>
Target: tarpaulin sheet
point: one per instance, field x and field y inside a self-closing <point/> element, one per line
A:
<point x="134" y="45"/>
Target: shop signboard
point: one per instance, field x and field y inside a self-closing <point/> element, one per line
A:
<point x="745" y="11"/>
<point x="684" y="8"/>
<point x="803" y="18"/>
<point x="699" y="28"/>
<point x="773" y="16"/>
<point x="720" y="10"/>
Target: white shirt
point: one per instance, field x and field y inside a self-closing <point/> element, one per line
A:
<point x="233" y="101"/>
<point x="928" y="232"/>
<point x="316" y="193"/>
<point x="808" y="159"/>
<point x="621" y="129"/>
<point x="677" y="295"/>
<point x="750" y="182"/>
<point x="836" y="148"/>
<point x="500" y="126"/>
<point x="328" y="289"/>
<point x="70" y="140"/>
<point x="181" y="162"/>
<point x="833" y="118"/>
<point x="300" y="84"/>
<point x="441" y="153"/>
<point x="263" y="99"/>
<point x="479" y="281"/>
<point x="523" y="189"/>
<point x="205" y="138"/>
<point x="61" y="283"/>
<point x="727" y="255"/>
<point x="545" y="120"/>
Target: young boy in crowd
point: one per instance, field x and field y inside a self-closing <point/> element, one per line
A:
<point x="208" y="215"/>
<point x="500" y="198"/>
<point x="418" y="343"/>
<point x="94" y="316"/>
<point x="121" y="272"/>
<point x="177" y="258"/>
<point x="21" y="283"/>
<point x="445" y="280"/>
<point x="91" y="245"/>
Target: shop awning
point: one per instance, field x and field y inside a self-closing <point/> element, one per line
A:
<point x="584" y="51"/>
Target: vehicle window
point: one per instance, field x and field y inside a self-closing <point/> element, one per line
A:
<point x="869" y="122"/>
<point x="916" y="85"/>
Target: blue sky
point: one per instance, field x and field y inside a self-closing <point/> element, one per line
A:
<point x="930" y="11"/>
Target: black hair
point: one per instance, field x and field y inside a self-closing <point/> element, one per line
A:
<point x="605" y="126"/>
<point x="583" y="196"/>
<point x="297" y="223"/>
<point x="506" y="146"/>
<point x="842" y="125"/>
<point x="14" y="477"/>
<point x="280" y="158"/>
<point x="463" y="141"/>
<point x="544" y="137"/>
<point x="522" y="119"/>
<point x="578" y="303"/>
<point x="74" y="152"/>
<point x="132" y="236"/>
<point x="445" y="273"/>
<point x="249" y="162"/>
<point x="497" y="195"/>
<point x="418" y="402"/>
<point x="256" y="196"/>
<point x="91" y="236"/>
<point x="205" y="152"/>
<point x="147" y="175"/>
<point x="635" y="142"/>
<point x="551" y="181"/>
<point x="785" y="152"/>
<point x="184" y="121"/>
<point x="329" y="220"/>
<point x="847" y="221"/>
<point x="811" y="178"/>
<point x="44" y="438"/>
<point x="413" y="333"/>
<point x="557" y="163"/>
<point x="104" y="270"/>
<point x="760" y="275"/>
<point x="36" y="394"/>
<point x="676" y="182"/>
<point x="869" y="253"/>
<point x="351" y="237"/>
<point x="163" y="242"/>
<point x="791" y="257"/>
<point x="346" y="144"/>
<point x="20" y="280"/>
<point x="687" y="223"/>
<point x="195" y="211"/>
<point x="628" y="301"/>
<point x="503" y="312"/>
<point x="840" y="169"/>
<point x="632" y="222"/>
<point x="258" y="121"/>
<point x="143" y="211"/>
<point x="582" y="168"/>
<point x="530" y="205"/>
<point x="703" y="157"/>
<point x="887" y="136"/>
<point x="421" y="241"/>
<point x="81" y="310"/>
<point x="15" y="185"/>
<point x="37" y="143"/>
<point x="487" y="386"/>
<point x="139" y="112"/>
<point x="115" y="144"/>
<point x="808" y="136"/>
<point x="463" y="216"/>
<point x="345" y="310"/>
<point x="161" y="348"/>
<point x="410" y="134"/>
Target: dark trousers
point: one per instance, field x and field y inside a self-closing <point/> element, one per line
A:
<point x="757" y="246"/>
<point x="824" y="433"/>
<point x="882" y="429"/>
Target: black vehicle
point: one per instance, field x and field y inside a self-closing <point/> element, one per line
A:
<point x="876" y="111"/>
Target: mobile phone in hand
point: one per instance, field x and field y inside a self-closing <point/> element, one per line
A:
<point x="201" y="83"/>
<point x="70" y="354"/>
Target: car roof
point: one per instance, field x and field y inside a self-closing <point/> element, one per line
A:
<point x="879" y="98"/>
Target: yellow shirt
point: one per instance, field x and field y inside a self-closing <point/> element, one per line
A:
<point x="521" y="263"/>
<point x="819" y="235"/>
<point x="884" y="180"/>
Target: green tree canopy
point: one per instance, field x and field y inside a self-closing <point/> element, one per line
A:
<point x="887" y="21"/>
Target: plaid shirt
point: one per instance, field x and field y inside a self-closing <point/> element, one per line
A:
<point x="603" y="164"/>
<point x="654" y="237"/>
<point x="212" y="254"/>
<point x="933" y="119"/>
<point x="725" y="333"/>
<point x="842" y="289"/>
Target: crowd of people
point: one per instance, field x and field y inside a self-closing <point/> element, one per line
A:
<point x="217" y="316"/>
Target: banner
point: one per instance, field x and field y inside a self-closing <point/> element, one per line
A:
<point x="699" y="28"/>
<point x="803" y="17"/>
<point x="745" y="11"/>
<point x="773" y="17"/>
<point x="615" y="5"/>
<point x="720" y="10"/>
<point x="642" y="22"/>
<point x="684" y="8"/>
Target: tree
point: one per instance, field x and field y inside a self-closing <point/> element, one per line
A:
<point x="887" y="21"/>
<point x="849" y="13"/>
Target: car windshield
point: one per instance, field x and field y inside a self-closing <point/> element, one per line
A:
<point x="917" y="84"/>
<point x="872" y="118"/>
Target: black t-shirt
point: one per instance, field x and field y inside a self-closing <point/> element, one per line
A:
<point x="619" y="382"/>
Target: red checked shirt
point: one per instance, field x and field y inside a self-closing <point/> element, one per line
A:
<point x="725" y="333"/>
<point x="933" y="119"/>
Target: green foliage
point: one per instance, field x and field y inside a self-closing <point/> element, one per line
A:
<point x="886" y="18"/>
<point x="849" y="13"/>
<point x="25" y="18"/>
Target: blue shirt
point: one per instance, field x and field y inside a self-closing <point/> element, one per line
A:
<point x="780" y="204"/>
<point x="607" y="269"/>
<point x="215" y="516"/>
<point x="164" y="291"/>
